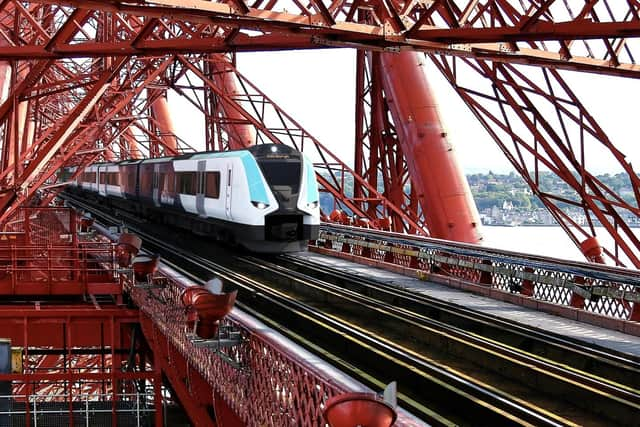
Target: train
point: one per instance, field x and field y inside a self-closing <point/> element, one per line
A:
<point x="263" y="198"/>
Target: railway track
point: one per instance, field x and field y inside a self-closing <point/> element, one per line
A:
<point x="313" y="312"/>
<point x="605" y="363"/>
<point x="602" y="393"/>
<point x="436" y="393"/>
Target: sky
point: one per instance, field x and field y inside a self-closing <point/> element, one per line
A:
<point x="317" y="88"/>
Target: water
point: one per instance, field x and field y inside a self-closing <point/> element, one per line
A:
<point x="546" y="241"/>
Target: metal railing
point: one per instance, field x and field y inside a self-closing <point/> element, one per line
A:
<point x="129" y="409"/>
<point x="39" y="269"/>
<point x="601" y="289"/>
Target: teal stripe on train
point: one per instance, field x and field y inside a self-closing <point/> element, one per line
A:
<point x="312" y="186"/>
<point x="257" y="190"/>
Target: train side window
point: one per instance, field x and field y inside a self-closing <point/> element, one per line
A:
<point x="187" y="182"/>
<point x="212" y="189"/>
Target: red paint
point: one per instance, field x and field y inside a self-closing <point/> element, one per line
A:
<point x="592" y="250"/>
<point x="442" y="188"/>
<point x="358" y="409"/>
<point x="207" y="308"/>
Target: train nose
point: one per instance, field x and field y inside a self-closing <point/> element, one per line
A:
<point x="283" y="227"/>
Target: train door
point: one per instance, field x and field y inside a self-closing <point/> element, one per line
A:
<point x="102" y="180"/>
<point x="227" y="193"/>
<point x="200" y="182"/>
<point x="155" y="192"/>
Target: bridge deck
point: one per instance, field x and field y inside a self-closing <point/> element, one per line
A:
<point x="596" y="335"/>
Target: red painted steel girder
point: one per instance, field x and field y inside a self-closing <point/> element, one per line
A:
<point x="68" y="89"/>
<point x="73" y="351"/>
<point x="82" y="111"/>
<point x="596" y="37"/>
<point x="514" y="106"/>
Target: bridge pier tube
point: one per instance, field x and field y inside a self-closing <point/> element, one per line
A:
<point x="440" y="184"/>
<point x="486" y="277"/>
<point x="592" y="249"/>
<point x="577" y="300"/>
<point x="527" y="285"/>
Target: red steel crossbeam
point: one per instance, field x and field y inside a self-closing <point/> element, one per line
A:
<point x="82" y="344"/>
<point x="72" y="138"/>
<point x="72" y="350"/>
<point x="462" y="28"/>
<point x="498" y="32"/>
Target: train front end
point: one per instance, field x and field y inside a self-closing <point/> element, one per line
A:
<point x="292" y="181"/>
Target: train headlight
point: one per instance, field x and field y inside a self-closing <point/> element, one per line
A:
<point x="312" y="205"/>
<point x="260" y="205"/>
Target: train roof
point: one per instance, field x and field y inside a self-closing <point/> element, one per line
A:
<point x="259" y="150"/>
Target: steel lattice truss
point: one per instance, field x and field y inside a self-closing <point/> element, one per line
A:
<point x="587" y="35"/>
<point x="81" y="77"/>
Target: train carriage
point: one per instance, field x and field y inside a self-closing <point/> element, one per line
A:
<point x="264" y="198"/>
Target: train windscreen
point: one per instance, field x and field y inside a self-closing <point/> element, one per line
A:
<point x="279" y="173"/>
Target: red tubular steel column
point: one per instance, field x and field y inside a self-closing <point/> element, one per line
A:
<point x="26" y="126"/>
<point x="241" y="134"/>
<point x="442" y="188"/>
<point x="132" y="145"/>
<point x="164" y="122"/>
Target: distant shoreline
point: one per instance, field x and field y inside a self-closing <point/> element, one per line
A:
<point x="541" y="225"/>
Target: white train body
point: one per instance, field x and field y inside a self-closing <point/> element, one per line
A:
<point x="264" y="198"/>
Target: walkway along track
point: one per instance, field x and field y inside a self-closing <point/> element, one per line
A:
<point x="599" y="362"/>
<point x="437" y="392"/>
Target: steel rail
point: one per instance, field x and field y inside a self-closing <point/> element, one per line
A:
<point x="392" y="362"/>
<point x="409" y="368"/>
<point x="581" y="353"/>
<point x="580" y="387"/>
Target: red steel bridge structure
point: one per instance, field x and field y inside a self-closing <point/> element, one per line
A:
<point x="87" y="81"/>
